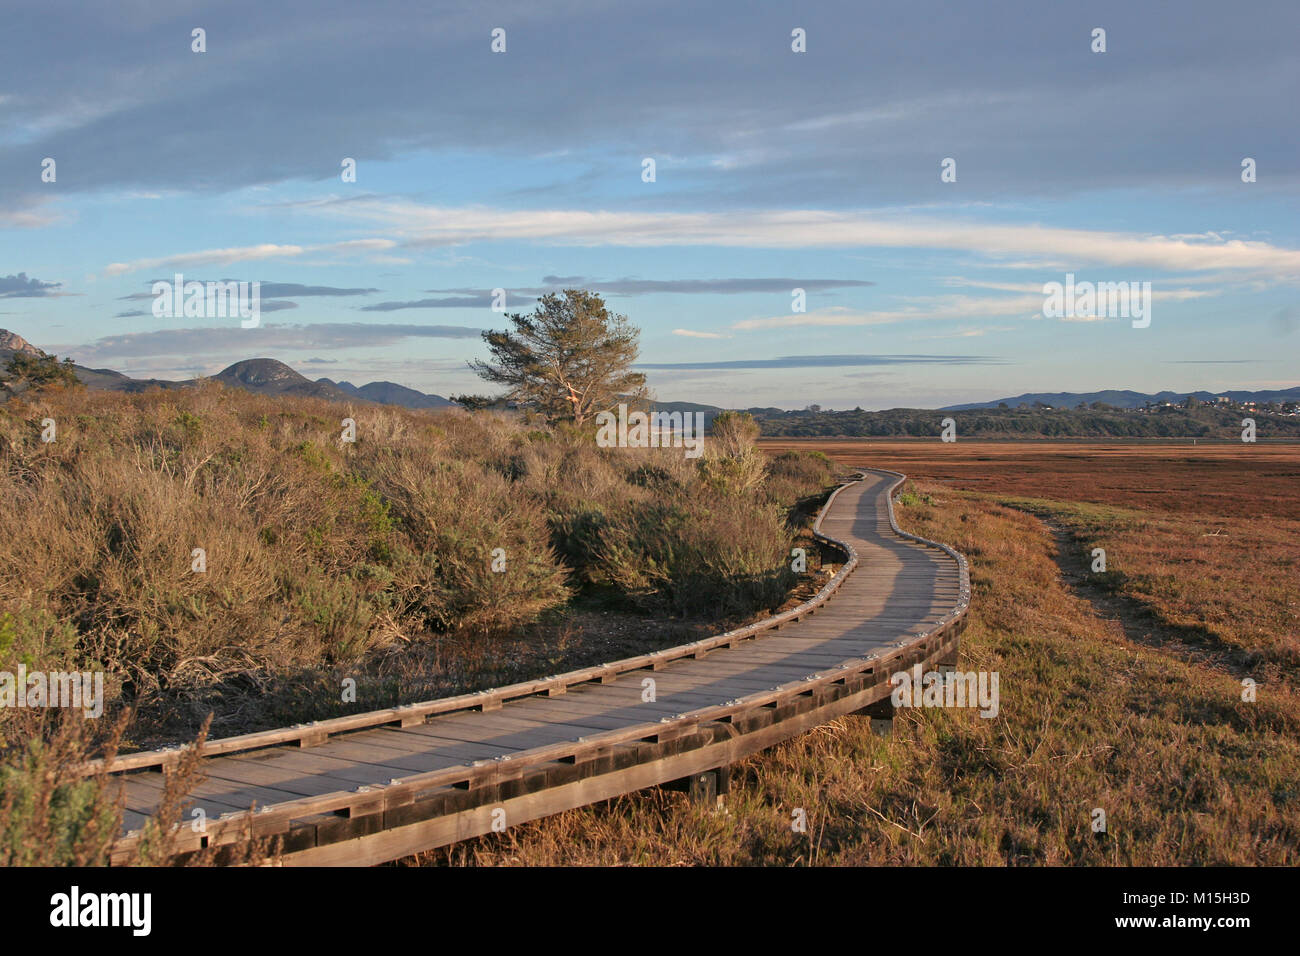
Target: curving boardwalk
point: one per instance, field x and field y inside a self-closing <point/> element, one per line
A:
<point x="374" y="787"/>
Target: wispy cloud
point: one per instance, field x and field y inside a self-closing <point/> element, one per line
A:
<point x="829" y="361"/>
<point x="935" y="308"/>
<point x="421" y="225"/>
<point x="232" y="339"/>
<point x="231" y="256"/>
<point x="730" y="286"/>
<point x="638" y="287"/>
<point x="945" y="307"/>
<point x="483" y="300"/>
<point x="293" y="290"/>
<point x="693" y="334"/>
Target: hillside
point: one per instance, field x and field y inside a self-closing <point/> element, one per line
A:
<point x="1202" y="421"/>
<point x="1112" y="413"/>
<point x="1126" y="398"/>
<point x="11" y="342"/>
<point x="389" y="393"/>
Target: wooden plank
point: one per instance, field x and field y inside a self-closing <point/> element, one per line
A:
<point x="814" y="660"/>
<point x="360" y="749"/>
<point x="276" y="776"/>
<point x="777" y="673"/>
<point x="480" y="741"/>
<point x="431" y="736"/>
<point x="517" y="721"/>
<point x="403" y="841"/>
<point x="632" y="710"/>
<point x="145" y="796"/>
<point x="349" y="772"/>
<point x="600" y="722"/>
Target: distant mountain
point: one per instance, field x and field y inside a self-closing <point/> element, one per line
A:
<point x="11" y="342"/>
<point x="1127" y="399"/>
<point x="272" y="377"/>
<point x="262" y="375"/>
<point x="709" y="410"/>
<point x="342" y="386"/>
<point x="390" y="393"/>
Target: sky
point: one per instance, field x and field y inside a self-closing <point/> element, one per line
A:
<point x="774" y="170"/>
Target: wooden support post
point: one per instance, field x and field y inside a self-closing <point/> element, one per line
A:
<point x="706" y="788"/>
<point x="882" y="716"/>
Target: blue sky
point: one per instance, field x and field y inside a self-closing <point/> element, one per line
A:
<point x="774" y="170"/>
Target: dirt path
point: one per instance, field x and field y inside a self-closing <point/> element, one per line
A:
<point x="1135" y="620"/>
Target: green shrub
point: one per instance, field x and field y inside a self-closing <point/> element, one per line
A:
<point x="727" y="556"/>
<point x="49" y="814"/>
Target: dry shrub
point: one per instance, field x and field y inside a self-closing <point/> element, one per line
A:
<point x="455" y="516"/>
<point x="731" y="464"/>
<point x="795" y="479"/>
<point x="725" y="555"/>
<point x="50" y="814"/>
<point x="319" y="552"/>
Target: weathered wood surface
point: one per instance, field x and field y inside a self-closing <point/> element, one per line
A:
<point x="378" y="786"/>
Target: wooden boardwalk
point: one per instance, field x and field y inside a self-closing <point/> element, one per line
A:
<point x="374" y="787"/>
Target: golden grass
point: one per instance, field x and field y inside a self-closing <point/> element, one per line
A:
<point x="1186" y="771"/>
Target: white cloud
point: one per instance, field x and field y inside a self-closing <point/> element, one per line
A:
<point x="940" y="307"/>
<point x="30" y="215"/>
<point x="225" y="257"/>
<point x="971" y="333"/>
<point x="946" y="307"/>
<point x="692" y="334"/>
<point x="421" y="225"/>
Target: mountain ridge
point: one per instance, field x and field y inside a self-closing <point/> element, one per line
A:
<point x="1128" y="398"/>
<point x="266" y="376"/>
<point x="271" y="376"/>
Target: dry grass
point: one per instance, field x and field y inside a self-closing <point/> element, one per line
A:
<point x="1199" y="539"/>
<point x="1186" y="771"/>
<point x="1230" y="479"/>
<point x="327" y="559"/>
